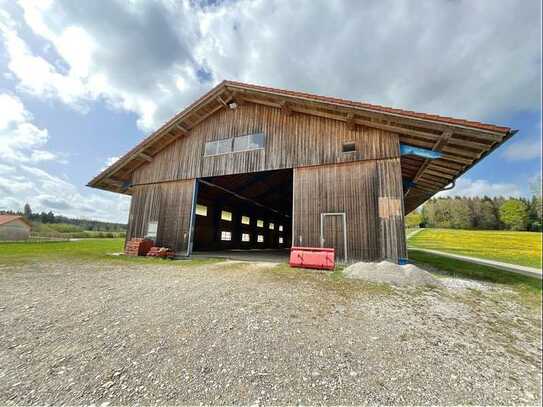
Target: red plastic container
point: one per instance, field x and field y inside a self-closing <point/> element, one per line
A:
<point x="312" y="258"/>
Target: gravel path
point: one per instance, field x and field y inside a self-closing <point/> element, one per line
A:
<point x="244" y="333"/>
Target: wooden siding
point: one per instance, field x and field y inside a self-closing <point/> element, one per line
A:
<point x="367" y="192"/>
<point x="293" y="140"/>
<point x="15" y="230"/>
<point x="169" y="204"/>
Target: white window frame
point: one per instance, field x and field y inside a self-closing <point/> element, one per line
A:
<point x="260" y="239"/>
<point x="226" y="236"/>
<point x="271" y="226"/>
<point x="259" y="223"/>
<point x="225" y="217"/>
<point x="152" y="229"/>
<point x="245" y="237"/>
<point x="245" y="220"/>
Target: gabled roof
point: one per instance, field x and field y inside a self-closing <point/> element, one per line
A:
<point x="5" y="219"/>
<point x="462" y="142"/>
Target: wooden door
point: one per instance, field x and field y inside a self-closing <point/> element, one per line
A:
<point x="333" y="234"/>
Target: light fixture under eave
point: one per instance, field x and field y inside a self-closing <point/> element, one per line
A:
<point x="232" y="105"/>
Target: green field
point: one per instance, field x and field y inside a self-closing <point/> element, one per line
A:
<point x="522" y="248"/>
<point x="85" y="249"/>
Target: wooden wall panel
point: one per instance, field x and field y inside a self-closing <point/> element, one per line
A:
<point x="169" y="204"/>
<point x="355" y="189"/>
<point x="291" y="141"/>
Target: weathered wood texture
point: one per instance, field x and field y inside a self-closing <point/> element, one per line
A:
<point x="291" y="141"/>
<point x="368" y="192"/>
<point x="169" y="204"/>
<point x="15" y="230"/>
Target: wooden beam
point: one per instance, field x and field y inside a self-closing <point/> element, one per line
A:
<point x="351" y="123"/>
<point x="285" y="108"/>
<point x="146" y="157"/>
<point x="221" y="101"/>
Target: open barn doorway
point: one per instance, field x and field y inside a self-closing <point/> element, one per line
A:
<point x="245" y="216"/>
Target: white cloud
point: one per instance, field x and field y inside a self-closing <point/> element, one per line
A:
<point x="524" y="149"/>
<point x="150" y="57"/>
<point x="46" y="192"/>
<point x="110" y="161"/>
<point x="20" y="140"/>
<point x="21" y="181"/>
<point x="481" y="187"/>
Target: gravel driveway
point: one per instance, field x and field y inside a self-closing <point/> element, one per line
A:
<point x="243" y="333"/>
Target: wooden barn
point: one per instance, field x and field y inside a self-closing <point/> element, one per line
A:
<point x="14" y="227"/>
<point x="247" y="167"/>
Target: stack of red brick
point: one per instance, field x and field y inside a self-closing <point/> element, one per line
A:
<point x="138" y="247"/>
<point x="161" y="252"/>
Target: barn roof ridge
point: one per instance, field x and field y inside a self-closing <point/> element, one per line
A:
<point x="5" y="219"/>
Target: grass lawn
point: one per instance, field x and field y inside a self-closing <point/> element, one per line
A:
<point x="523" y="248"/>
<point x="84" y="249"/>
<point x="529" y="288"/>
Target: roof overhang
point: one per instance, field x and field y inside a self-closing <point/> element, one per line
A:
<point x="461" y="143"/>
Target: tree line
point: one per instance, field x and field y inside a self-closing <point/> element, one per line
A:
<point x="51" y="218"/>
<point x="484" y="213"/>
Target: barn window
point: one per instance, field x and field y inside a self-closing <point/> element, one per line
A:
<point x="224" y="146"/>
<point x="245" y="237"/>
<point x="349" y="147"/>
<point x="249" y="142"/>
<point x="260" y="238"/>
<point x="246" y="220"/>
<point x="152" y="228"/>
<point x="280" y="228"/>
<point x="225" y="235"/>
<point x="256" y="141"/>
<point x="210" y="148"/>
<point x="259" y="223"/>
<point x="280" y="240"/>
<point x="225" y="215"/>
<point x="271" y="226"/>
<point x="201" y="210"/>
<point x="241" y="143"/>
<point x="218" y="147"/>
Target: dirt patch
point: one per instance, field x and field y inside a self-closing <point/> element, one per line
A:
<point x="391" y="273"/>
<point x="243" y="333"/>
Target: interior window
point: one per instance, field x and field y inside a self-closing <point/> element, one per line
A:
<point x="271" y="226"/>
<point x="280" y="240"/>
<point x="225" y="235"/>
<point x="246" y="220"/>
<point x="245" y="237"/>
<point x="225" y="215"/>
<point x="260" y="238"/>
<point x="259" y="223"/>
<point x="201" y="210"/>
<point x="280" y="228"/>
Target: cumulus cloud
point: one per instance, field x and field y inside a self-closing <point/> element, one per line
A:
<point x="21" y="180"/>
<point x="153" y="58"/>
<point x="524" y="149"/>
<point x="20" y="139"/>
<point x="23" y="183"/>
<point x="481" y="187"/>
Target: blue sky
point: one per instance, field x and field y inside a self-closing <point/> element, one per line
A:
<point x="82" y="82"/>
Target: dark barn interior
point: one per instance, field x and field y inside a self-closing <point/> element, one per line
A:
<point x="250" y="211"/>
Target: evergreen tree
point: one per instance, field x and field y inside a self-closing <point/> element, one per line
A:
<point x="27" y="211"/>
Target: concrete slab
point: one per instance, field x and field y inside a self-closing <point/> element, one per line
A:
<point x="274" y="256"/>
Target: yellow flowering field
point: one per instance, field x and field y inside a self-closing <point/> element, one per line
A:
<point x="523" y="248"/>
